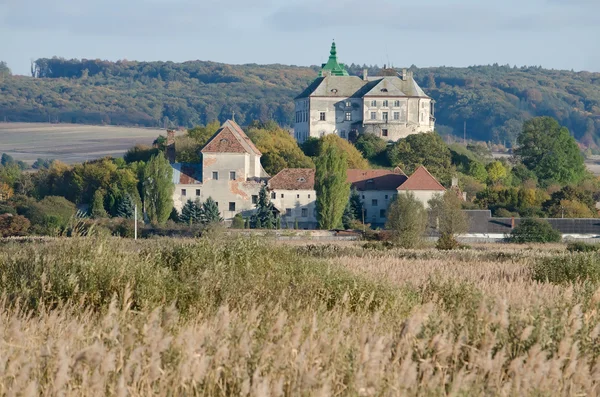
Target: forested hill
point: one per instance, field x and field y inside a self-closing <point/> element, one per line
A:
<point x="493" y="100"/>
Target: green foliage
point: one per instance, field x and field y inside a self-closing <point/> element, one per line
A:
<point x="571" y="202"/>
<point x="354" y="158"/>
<point x="238" y="222"/>
<point x="49" y="216"/>
<point x="97" y="209"/>
<point x="158" y="189"/>
<point x="372" y="148"/>
<point x="550" y="152"/>
<point x="428" y="150"/>
<point x="7" y="160"/>
<point x="140" y="153"/>
<point x="407" y="219"/>
<point x="496" y="172"/>
<point x="450" y="220"/>
<point x="192" y="213"/>
<point x="580" y="246"/>
<point x="311" y="147"/>
<point x="280" y="150"/>
<point x="354" y="210"/>
<point x="126" y="207"/>
<point x="478" y="171"/>
<point x="532" y="230"/>
<point x="4" y="70"/>
<point x="263" y="217"/>
<point x="210" y="212"/>
<point x="571" y="268"/>
<point x="331" y="187"/>
<point x="41" y="163"/>
<point x="201" y="134"/>
<point x="13" y="225"/>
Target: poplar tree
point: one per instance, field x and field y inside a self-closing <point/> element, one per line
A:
<point x="331" y="187"/>
<point x="158" y="188"/>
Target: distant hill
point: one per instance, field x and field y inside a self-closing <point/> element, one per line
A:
<point x="493" y="100"/>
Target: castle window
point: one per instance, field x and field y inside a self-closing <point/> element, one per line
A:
<point x="422" y="116"/>
<point x="334" y="91"/>
<point x="348" y="116"/>
<point x="232" y="175"/>
<point x="216" y="175"/>
<point x="382" y="213"/>
<point x="183" y="192"/>
<point x="373" y="115"/>
<point x="385" y="103"/>
<point x="397" y="104"/>
<point x="384" y="132"/>
<point x="348" y="104"/>
<point x="273" y="195"/>
<point x="304" y="212"/>
<point x="288" y="212"/>
<point x="309" y="196"/>
<point x="282" y="195"/>
<point x="254" y="199"/>
<point x="231" y="206"/>
<point x="373" y="103"/>
<point x="396" y="115"/>
<point x="384" y="90"/>
<point x="197" y="192"/>
<point x="343" y="134"/>
<point x="297" y="196"/>
<point x="322" y="116"/>
<point x="385" y="116"/>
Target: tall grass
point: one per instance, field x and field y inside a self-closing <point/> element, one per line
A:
<point x="245" y="317"/>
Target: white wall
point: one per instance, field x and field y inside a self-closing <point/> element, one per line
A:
<point x="296" y="201"/>
<point x="414" y="117"/>
<point x="373" y="211"/>
<point x="423" y="195"/>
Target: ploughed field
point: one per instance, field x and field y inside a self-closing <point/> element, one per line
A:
<point x="245" y="316"/>
<point x="70" y="143"/>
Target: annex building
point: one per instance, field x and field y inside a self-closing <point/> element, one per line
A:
<point x="231" y="173"/>
<point x="391" y="106"/>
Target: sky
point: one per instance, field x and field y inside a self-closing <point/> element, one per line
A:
<point x="559" y="34"/>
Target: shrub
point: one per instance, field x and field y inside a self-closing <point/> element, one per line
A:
<point x="580" y="246"/>
<point x="125" y="228"/>
<point x="13" y="225"/>
<point x="568" y="268"/>
<point x="447" y="242"/>
<point x="532" y="230"/>
<point x="237" y="222"/>
<point x="407" y="220"/>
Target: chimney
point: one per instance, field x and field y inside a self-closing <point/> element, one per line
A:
<point x="365" y="74"/>
<point x="454" y="181"/>
<point x="404" y="74"/>
<point x="170" y="146"/>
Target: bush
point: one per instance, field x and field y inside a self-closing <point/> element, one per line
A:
<point x="580" y="246"/>
<point x="532" y="230"/>
<point x="125" y="228"/>
<point x="237" y="222"/>
<point x="407" y="220"/>
<point x="568" y="268"/>
<point x="447" y="242"/>
<point x="13" y="225"/>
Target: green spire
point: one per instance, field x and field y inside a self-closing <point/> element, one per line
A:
<point x="333" y="67"/>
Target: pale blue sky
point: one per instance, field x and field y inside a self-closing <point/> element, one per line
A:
<point x="551" y="33"/>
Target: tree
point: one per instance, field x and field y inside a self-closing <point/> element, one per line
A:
<point x="331" y="187"/>
<point x="4" y="69"/>
<point x="202" y="134"/>
<point x="192" y="212"/>
<point x="354" y="158"/>
<point x="353" y="211"/>
<point x="496" y="172"/>
<point x="126" y="207"/>
<point x="238" y="222"/>
<point x="13" y="225"/>
<point x="97" y="209"/>
<point x="370" y="145"/>
<point x="210" y="212"/>
<point x="450" y="219"/>
<point x="477" y="170"/>
<point x="407" y="219"/>
<point x="263" y="217"/>
<point x="550" y="152"/>
<point x="428" y="150"/>
<point x="158" y="189"/>
<point x="531" y="230"/>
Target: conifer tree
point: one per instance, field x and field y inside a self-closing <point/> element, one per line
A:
<point x="126" y="207"/>
<point x="97" y="210"/>
<point x="353" y="210"/>
<point x="331" y="187"/>
<point x="210" y="212"/>
<point x="263" y="217"/>
<point x="191" y="213"/>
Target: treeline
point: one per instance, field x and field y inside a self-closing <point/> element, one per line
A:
<point x="494" y="101"/>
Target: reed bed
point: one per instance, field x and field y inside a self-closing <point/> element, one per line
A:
<point x="231" y="317"/>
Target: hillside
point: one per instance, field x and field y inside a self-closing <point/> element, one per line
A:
<point x="493" y="100"/>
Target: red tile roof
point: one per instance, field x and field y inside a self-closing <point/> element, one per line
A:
<point x="421" y="179"/>
<point x="376" y="179"/>
<point x="293" y="179"/>
<point x="230" y="138"/>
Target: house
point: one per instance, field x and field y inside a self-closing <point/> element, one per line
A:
<point x="392" y="106"/>
<point x="230" y="172"/>
<point x="293" y="193"/>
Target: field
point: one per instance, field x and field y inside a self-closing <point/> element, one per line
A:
<point x="70" y="143"/>
<point x="223" y="316"/>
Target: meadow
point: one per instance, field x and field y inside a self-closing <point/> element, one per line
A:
<point x="224" y="316"/>
<point x="70" y="143"/>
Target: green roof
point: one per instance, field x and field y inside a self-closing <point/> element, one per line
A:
<point x="333" y="67"/>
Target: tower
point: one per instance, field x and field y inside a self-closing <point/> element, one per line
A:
<point x="333" y="67"/>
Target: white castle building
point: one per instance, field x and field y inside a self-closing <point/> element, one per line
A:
<point x="391" y="106"/>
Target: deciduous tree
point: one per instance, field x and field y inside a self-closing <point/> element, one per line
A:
<point x="407" y="219"/>
<point x="331" y="187"/>
<point x="158" y="189"/>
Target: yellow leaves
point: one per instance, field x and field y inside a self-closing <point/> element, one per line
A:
<point x="6" y="192"/>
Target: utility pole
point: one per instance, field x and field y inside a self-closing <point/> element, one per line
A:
<point x="135" y="221"/>
<point x="465" y="133"/>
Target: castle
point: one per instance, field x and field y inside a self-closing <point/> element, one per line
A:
<point x="391" y="106"/>
<point x="231" y="173"/>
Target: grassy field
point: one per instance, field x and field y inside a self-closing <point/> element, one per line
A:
<point x="236" y="316"/>
<point x="70" y="143"/>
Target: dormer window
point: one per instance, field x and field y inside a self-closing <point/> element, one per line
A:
<point x="334" y="90"/>
<point x="370" y="181"/>
<point x="384" y="90"/>
<point x="301" y="180"/>
<point x="224" y="140"/>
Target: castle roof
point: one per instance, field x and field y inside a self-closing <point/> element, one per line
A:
<point x="421" y="179"/>
<point x="333" y="67"/>
<point x="376" y="179"/>
<point x="293" y="179"/>
<point x="230" y="138"/>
